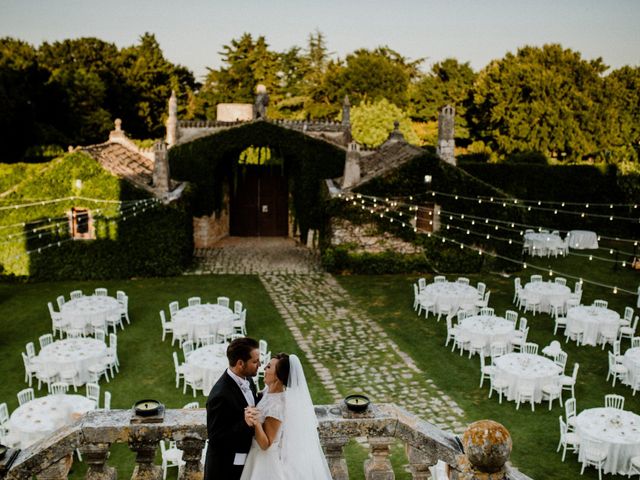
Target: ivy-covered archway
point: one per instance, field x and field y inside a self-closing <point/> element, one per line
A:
<point x="210" y="162"/>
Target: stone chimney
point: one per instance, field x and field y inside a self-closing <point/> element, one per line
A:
<point x="161" y="168"/>
<point x="446" y="142"/>
<point x="351" y="174"/>
<point x="261" y="102"/>
<point x="172" y="121"/>
<point x="346" y="120"/>
<point x="395" y="136"/>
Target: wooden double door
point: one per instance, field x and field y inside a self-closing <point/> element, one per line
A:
<point x="259" y="205"/>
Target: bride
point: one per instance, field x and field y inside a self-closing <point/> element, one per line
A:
<point x="286" y="444"/>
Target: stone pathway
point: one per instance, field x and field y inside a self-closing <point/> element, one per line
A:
<point x="351" y="353"/>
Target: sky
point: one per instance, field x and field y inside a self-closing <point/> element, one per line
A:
<point x="192" y="32"/>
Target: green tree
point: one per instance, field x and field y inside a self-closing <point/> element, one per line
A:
<point x="623" y="91"/>
<point x="544" y="99"/>
<point x="372" y="122"/>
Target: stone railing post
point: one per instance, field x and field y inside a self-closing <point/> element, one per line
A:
<point x="419" y="463"/>
<point x="487" y="445"/>
<point x="192" y="452"/>
<point x="145" y="456"/>
<point x="96" y="455"/>
<point x="58" y="470"/>
<point x="334" y="453"/>
<point x="378" y="466"/>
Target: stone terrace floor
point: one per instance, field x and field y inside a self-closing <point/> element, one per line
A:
<point x="350" y="352"/>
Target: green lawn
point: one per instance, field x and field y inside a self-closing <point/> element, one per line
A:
<point x="388" y="300"/>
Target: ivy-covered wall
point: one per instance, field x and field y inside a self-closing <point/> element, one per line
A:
<point x="210" y="162"/>
<point x="155" y="242"/>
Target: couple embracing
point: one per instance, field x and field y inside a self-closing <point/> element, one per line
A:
<point x="271" y="435"/>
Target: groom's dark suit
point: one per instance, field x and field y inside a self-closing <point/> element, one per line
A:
<point x="227" y="431"/>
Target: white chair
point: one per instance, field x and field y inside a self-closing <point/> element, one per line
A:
<point x="560" y="323"/>
<point x="46" y="374"/>
<point x="593" y="453"/>
<point x="484" y="301"/>
<point x="439" y="279"/>
<point x="561" y="281"/>
<point x="614" y="401"/>
<point x="525" y="392"/>
<point x="237" y="307"/>
<point x="486" y="371"/>
<point x="193" y="380"/>
<point x="634" y="466"/>
<point x="625" y="321"/>
<point x="223" y="333"/>
<point x="552" y="391"/>
<point x="452" y="332"/>
<point x="532" y="303"/>
<point x="98" y="323"/>
<point x="93" y="393"/>
<point x="574" y="332"/>
<point x="462" y="281"/>
<point x="167" y="327"/>
<point x="628" y="332"/>
<point x="187" y="348"/>
<point x="600" y="303"/>
<point x="76" y="294"/>
<point x="536" y="278"/>
<point x="265" y="354"/>
<point x="99" y="334"/>
<point x="557" y="306"/>
<point x="428" y="305"/>
<point x="444" y="309"/>
<point x="191" y="405"/>
<point x="112" y="359"/>
<point x="635" y="342"/>
<point x="498" y="385"/>
<point x="107" y="400"/>
<point x="498" y="349"/>
<point x="101" y="292"/>
<point x="518" y="341"/>
<point x="57" y="323"/>
<point x="570" y="411"/>
<point x="618" y="370"/>
<point x="30" y="368"/>
<point x="517" y="286"/>
<point x="487" y="312"/>
<point x="60" y="301"/>
<point x="114" y="321"/>
<point x="567" y="439"/>
<point x="561" y="360"/>
<point x="530" y="348"/>
<point x="25" y="396"/>
<point x="171" y="457"/>
<point x="422" y="284"/>
<point x="97" y="371"/>
<point x="476" y="345"/>
<point x="416" y="297"/>
<point x="31" y="350"/>
<point x="59" y="388"/>
<point x="75" y="333"/>
<point x="208" y="339"/>
<point x="4" y="418"/>
<point x="193" y="301"/>
<point x="46" y="339"/>
<point x="239" y="324"/>
<point x="179" y="369"/>
<point x="608" y="334"/>
<point x="481" y="287"/>
<point x="569" y="382"/>
<point x="123" y="299"/>
<point x="224" y="301"/>
<point x="71" y="377"/>
<point x="461" y="315"/>
<point x="173" y="309"/>
<point x="512" y="316"/>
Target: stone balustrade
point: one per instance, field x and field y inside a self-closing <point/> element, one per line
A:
<point x="381" y="426"/>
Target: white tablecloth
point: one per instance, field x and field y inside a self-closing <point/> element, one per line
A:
<point x="619" y="430"/>
<point x="83" y="311"/>
<point x="631" y="360"/>
<point x="592" y="320"/>
<point x="453" y="294"/>
<point x="202" y="320"/>
<point x="489" y="329"/>
<point x="583" y="240"/>
<point x="549" y="292"/>
<point x="518" y="367"/>
<point x="72" y="353"/>
<point x="539" y="243"/>
<point x="209" y="361"/>
<point x="40" y="417"/>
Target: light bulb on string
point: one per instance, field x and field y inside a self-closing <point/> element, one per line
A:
<point x="615" y="290"/>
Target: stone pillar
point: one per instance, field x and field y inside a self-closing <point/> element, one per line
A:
<point x="351" y="175"/>
<point x="487" y="445"/>
<point x="334" y="453"/>
<point x="192" y="451"/>
<point x="161" y="167"/>
<point x="172" y="120"/>
<point x="419" y="463"/>
<point x="117" y="133"/>
<point x="378" y="466"/>
<point x="58" y="470"/>
<point x="96" y="455"/>
<point x="446" y="142"/>
<point x="145" y="456"/>
<point x="260" y="104"/>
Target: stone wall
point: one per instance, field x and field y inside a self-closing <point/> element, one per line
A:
<point x="208" y="230"/>
<point x="368" y="238"/>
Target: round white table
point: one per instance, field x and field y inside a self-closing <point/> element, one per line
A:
<point x="518" y="367"/>
<point x="452" y="294"/>
<point x="593" y="321"/>
<point x="202" y="320"/>
<point x="41" y="416"/>
<point x="540" y="243"/>
<point x="549" y="293"/>
<point x="631" y="360"/>
<point x="209" y="361"/>
<point x="618" y="430"/>
<point x="583" y="239"/>
<point x="489" y="329"/>
<point x="72" y="354"/>
<point x="83" y="312"/>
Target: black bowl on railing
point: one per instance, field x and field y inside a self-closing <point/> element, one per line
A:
<point x="147" y="408"/>
<point x="357" y="403"/>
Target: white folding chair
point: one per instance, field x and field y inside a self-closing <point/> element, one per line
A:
<point x="114" y="321"/>
<point x="193" y="301"/>
<point x="625" y="321"/>
<point x="60" y="301"/>
<point x="191" y="405"/>
<point x="240" y="324"/>
<point x="59" y="388"/>
<point x="561" y="281"/>
<point x="614" y="401"/>
<point x="76" y="294"/>
<point x="486" y="371"/>
<point x="57" y="323"/>
<point x="167" y="327"/>
<point x="552" y="391"/>
<point x="93" y="393"/>
<point x="123" y="299"/>
<point x="635" y="342"/>
<point x="237" y="307"/>
<point x="31" y="350"/>
<point x="518" y="340"/>
<point x="512" y="316"/>
<point x="173" y="309"/>
<point x="570" y="411"/>
<point x="101" y="292"/>
<point x="592" y="453"/>
<point x="224" y="301"/>
<point x="422" y="284"/>
<point x="498" y="385"/>
<point x="560" y="359"/>
<point x="530" y="348"/>
<point x="46" y="339"/>
<point x="439" y="279"/>
<point x="628" y="332"/>
<point x="30" y="368"/>
<point x="525" y="392"/>
<point x="99" y="334"/>
<point x="618" y="370"/>
<point x="452" y="332"/>
<point x="112" y="359"/>
<point x="70" y="376"/>
<point x="569" y="382"/>
<point x="187" y="348"/>
<point x="25" y="396"/>
<point x="462" y="281"/>
<point x="536" y="278"/>
<point x="171" y="457"/>
<point x="600" y="303"/>
<point x="487" y="312"/>
<point x="567" y="439"/>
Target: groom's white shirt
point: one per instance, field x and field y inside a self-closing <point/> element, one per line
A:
<point x="244" y="387"/>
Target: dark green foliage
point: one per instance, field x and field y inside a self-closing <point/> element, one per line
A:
<point x="527" y="157"/>
<point x="343" y="261"/>
<point x="211" y="162"/>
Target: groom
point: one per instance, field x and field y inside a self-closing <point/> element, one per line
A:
<point x="228" y="430"/>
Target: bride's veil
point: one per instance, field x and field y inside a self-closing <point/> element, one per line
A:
<point x="301" y="452"/>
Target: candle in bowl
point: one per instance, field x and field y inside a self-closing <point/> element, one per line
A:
<point x="146" y="408"/>
<point x="357" y="403"/>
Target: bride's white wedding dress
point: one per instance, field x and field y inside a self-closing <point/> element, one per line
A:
<point x="267" y="464"/>
<point x="296" y="453"/>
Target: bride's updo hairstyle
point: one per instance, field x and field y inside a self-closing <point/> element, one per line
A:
<point x="282" y="368"/>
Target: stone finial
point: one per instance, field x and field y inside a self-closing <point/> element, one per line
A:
<point x="172" y="120"/>
<point x="161" y="175"/>
<point x="261" y="102"/>
<point x="446" y="141"/>
<point x="395" y="135"/>
<point x="117" y="135"/>
<point x="346" y="111"/>
<point x="487" y="445"/>
<point x="118" y="125"/>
